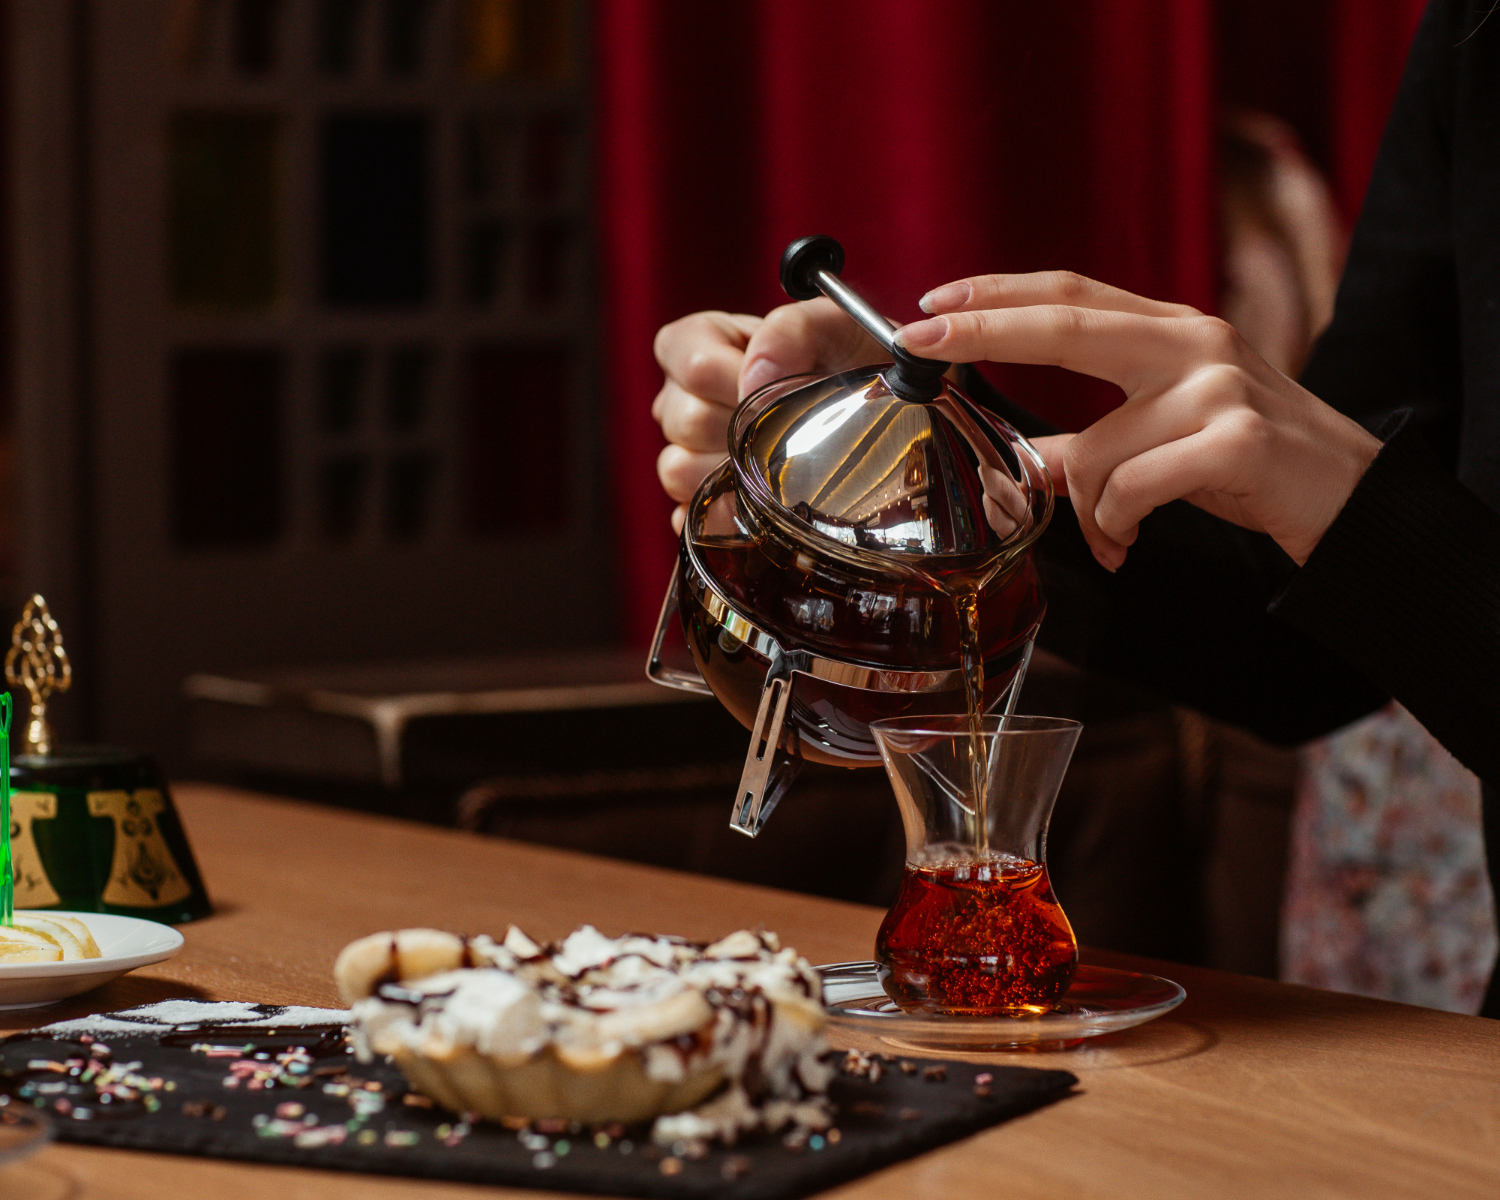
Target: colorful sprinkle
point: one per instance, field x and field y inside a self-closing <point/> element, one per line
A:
<point x="736" y="1166"/>
<point x="366" y="1104"/>
<point x="324" y="1135"/>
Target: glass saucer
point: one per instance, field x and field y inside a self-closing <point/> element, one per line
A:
<point x="22" y="1132"/>
<point x="1101" y="1000"/>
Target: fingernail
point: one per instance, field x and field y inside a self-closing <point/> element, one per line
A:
<point x="946" y="298"/>
<point x="923" y="333"/>
<point x="760" y="372"/>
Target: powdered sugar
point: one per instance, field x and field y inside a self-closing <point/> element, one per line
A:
<point x="170" y="1014"/>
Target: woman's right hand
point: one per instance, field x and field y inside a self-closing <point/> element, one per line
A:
<point x="714" y="359"/>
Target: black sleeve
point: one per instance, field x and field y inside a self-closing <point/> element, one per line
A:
<point x="1406" y="583"/>
<point x="1186" y="615"/>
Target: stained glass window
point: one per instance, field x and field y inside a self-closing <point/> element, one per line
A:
<point x="337" y="34"/>
<point x="227" y="447"/>
<point x="405" y="30"/>
<point x="549" y="158"/>
<point x="223" y="210"/>
<point x="487" y="152"/>
<point x="531" y="38"/>
<point x="375" y="210"/>
<point x="408" y="495"/>
<point x="517" y="476"/>
<point x="408" y="379"/>
<point x="341" y="382"/>
<point x="256" y="35"/>
<point x="343" y="245"/>
<point x="342" y="483"/>
<point x="549" y="263"/>
<point x="485" y="263"/>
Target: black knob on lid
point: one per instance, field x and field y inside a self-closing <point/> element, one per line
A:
<point x="801" y="261"/>
<point x="810" y="267"/>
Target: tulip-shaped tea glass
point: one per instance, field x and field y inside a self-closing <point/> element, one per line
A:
<point x="976" y="954"/>
<point x="975" y="929"/>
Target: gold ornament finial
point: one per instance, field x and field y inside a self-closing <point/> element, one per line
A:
<point x="37" y="661"/>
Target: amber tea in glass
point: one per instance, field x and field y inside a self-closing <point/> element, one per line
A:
<point x="976" y="929"/>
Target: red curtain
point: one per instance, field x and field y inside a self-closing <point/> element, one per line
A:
<point x="935" y="141"/>
<point x="1370" y="42"/>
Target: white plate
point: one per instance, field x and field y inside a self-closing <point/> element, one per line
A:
<point x="125" y="944"/>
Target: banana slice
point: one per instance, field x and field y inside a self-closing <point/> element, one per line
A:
<point x="23" y="946"/>
<point x="70" y="934"/>
<point x="404" y="954"/>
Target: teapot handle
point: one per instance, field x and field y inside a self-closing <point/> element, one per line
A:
<point x="656" y="670"/>
<point x="768" y="769"/>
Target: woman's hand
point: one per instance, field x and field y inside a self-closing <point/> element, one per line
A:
<point x="1205" y="419"/>
<point x="712" y="359"/>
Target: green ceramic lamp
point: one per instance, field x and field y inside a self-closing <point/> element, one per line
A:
<point x="93" y="829"/>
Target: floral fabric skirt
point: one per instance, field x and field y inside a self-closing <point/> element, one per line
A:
<point x="1387" y="892"/>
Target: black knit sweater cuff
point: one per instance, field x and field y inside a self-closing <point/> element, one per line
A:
<point x="1405" y="585"/>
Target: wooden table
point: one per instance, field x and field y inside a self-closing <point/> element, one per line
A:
<point x="1249" y="1089"/>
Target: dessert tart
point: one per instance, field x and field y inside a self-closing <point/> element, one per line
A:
<point x="44" y="937"/>
<point x="596" y="1029"/>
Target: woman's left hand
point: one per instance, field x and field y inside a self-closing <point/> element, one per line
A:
<point x="1205" y="418"/>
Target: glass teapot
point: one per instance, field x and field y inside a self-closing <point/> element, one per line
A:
<point x="865" y="541"/>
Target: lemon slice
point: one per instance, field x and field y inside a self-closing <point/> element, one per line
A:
<point x="23" y="946"/>
<point x="71" y="935"/>
<point x="80" y="931"/>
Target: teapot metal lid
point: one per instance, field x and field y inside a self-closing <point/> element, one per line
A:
<point x="890" y="459"/>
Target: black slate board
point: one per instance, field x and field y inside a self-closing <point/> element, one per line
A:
<point x="913" y="1106"/>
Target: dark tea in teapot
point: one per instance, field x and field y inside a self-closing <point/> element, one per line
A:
<point x="897" y="624"/>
